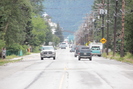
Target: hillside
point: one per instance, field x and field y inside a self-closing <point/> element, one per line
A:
<point x="68" y="13"/>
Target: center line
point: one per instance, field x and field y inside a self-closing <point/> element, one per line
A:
<point x="61" y="82"/>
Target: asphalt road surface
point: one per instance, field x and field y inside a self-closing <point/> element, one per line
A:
<point x="66" y="72"/>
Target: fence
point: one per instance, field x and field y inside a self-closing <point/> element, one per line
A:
<point x="18" y="53"/>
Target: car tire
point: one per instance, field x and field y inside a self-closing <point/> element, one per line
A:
<point x="41" y="58"/>
<point x="53" y="58"/>
<point x="99" y="55"/>
<point x="79" y="58"/>
<point x="90" y="59"/>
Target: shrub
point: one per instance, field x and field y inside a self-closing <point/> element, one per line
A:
<point x="24" y="49"/>
<point x="35" y="49"/>
<point x="128" y="55"/>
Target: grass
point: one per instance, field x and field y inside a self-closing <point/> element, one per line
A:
<point x="28" y="53"/>
<point x="7" y="60"/>
<point x="127" y="58"/>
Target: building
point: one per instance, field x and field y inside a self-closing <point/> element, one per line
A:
<point x="51" y="24"/>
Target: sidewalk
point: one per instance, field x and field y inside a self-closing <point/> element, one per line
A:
<point x="23" y="57"/>
<point x="30" y="56"/>
<point x="17" y="58"/>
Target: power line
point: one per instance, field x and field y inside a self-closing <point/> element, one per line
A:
<point x="67" y="7"/>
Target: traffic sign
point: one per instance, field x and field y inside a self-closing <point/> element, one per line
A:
<point x="87" y="43"/>
<point x="103" y="40"/>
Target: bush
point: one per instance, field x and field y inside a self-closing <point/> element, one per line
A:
<point x="128" y="56"/>
<point x="15" y="49"/>
<point x="35" y="49"/>
<point x="24" y="49"/>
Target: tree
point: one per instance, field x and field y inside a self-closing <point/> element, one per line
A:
<point x="49" y="35"/>
<point x="39" y="30"/>
<point x="15" y="14"/>
<point x="37" y="5"/>
<point x="129" y="26"/>
<point x="98" y="4"/>
<point x="56" y="40"/>
<point x="59" y="33"/>
<point x="18" y="26"/>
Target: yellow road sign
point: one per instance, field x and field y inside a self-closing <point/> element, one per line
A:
<point x="87" y="43"/>
<point x="103" y="40"/>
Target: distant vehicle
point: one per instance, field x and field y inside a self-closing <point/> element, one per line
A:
<point x="70" y="45"/>
<point x="72" y="49"/>
<point x="96" y="48"/>
<point x="48" y="52"/>
<point x="63" y="45"/>
<point x="84" y="52"/>
<point x="77" y="50"/>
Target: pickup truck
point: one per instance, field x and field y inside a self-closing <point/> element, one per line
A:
<point x="96" y="50"/>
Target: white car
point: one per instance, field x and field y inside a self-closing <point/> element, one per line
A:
<point x="48" y="52"/>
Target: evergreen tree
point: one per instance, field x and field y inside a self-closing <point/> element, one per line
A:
<point x="129" y="26"/>
<point x="59" y="33"/>
<point x="49" y="35"/>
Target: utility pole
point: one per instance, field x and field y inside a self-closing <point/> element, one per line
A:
<point x="107" y="27"/>
<point x="103" y="19"/>
<point x="115" y="16"/>
<point x="123" y="24"/>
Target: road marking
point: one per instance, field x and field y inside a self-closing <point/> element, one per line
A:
<point x="65" y="68"/>
<point x="62" y="78"/>
<point x="61" y="82"/>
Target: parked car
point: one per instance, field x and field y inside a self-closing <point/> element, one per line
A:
<point x="72" y="48"/>
<point x="77" y="50"/>
<point x="84" y="52"/>
<point x="48" y="52"/>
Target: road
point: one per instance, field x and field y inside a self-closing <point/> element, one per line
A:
<point x="66" y="72"/>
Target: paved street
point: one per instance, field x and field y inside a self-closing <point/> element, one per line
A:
<point x="66" y="72"/>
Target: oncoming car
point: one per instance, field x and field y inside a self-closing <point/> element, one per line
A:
<point x="48" y="52"/>
<point x="63" y="45"/>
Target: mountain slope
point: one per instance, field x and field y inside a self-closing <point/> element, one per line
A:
<point x="68" y="13"/>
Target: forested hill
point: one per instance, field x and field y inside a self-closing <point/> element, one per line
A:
<point x="68" y="13"/>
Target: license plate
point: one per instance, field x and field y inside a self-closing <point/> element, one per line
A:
<point x="84" y="53"/>
<point x="48" y="55"/>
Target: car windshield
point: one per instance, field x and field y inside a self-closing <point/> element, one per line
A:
<point x="85" y="49"/>
<point x="95" y="48"/>
<point x="63" y="43"/>
<point x="48" y="48"/>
